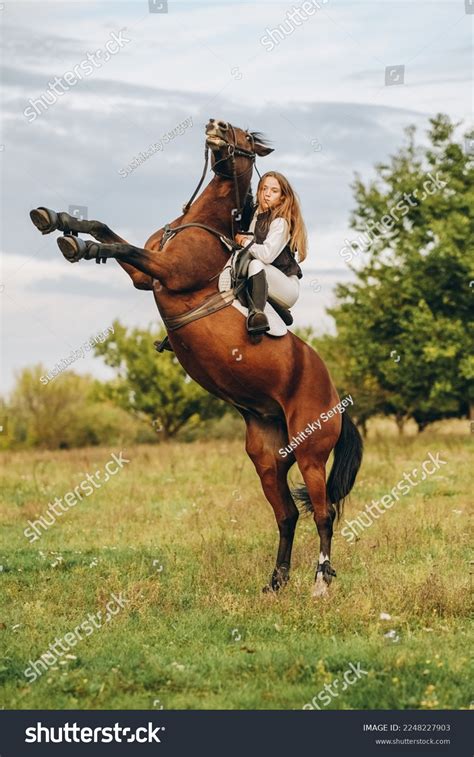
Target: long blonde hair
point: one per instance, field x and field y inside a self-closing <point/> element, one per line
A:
<point x="289" y="209"/>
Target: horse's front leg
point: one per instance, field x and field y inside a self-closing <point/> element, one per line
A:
<point x="150" y="263"/>
<point x="47" y="221"/>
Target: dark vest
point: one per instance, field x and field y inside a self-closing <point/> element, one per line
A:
<point x="286" y="260"/>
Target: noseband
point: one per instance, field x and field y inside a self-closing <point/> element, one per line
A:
<point x="236" y="213"/>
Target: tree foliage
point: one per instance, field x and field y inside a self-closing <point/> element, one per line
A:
<point x="153" y="385"/>
<point x="405" y="324"/>
<point x="64" y="413"/>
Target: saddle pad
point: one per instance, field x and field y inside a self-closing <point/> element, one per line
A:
<point x="277" y="325"/>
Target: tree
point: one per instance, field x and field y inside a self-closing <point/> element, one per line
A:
<point x="63" y="413"/>
<point x="407" y="318"/>
<point x="152" y="385"/>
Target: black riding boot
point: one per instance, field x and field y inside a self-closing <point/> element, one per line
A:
<point x="257" y="292"/>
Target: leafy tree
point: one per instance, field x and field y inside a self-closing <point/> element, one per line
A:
<point x="407" y="318"/>
<point x="63" y="413"/>
<point x="152" y="385"/>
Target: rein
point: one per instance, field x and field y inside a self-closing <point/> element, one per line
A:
<point x="236" y="213"/>
<point x="218" y="300"/>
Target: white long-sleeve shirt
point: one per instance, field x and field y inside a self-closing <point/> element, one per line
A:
<point x="277" y="238"/>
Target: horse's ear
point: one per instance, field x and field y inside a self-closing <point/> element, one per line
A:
<point x="261" y="143"/>
<point x="262" y="150"/>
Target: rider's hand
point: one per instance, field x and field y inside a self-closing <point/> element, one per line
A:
<point x="242" y="239"/>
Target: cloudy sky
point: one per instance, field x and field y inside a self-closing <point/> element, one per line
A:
<point x="319" y="95"/>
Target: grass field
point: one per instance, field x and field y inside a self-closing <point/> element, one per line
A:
<point x="184" y="534"/>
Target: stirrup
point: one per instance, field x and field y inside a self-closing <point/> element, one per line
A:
<point x="163" y="345"/>
<point x="262" y="325"/>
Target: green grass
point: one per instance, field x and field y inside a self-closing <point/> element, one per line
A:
<point x="199" y="634"/>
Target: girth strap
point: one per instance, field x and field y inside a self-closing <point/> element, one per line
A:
<point x="212" y="304"/>
<point x="216" y="301"/>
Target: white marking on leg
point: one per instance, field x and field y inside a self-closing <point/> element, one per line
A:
<point x="320" y="588"/>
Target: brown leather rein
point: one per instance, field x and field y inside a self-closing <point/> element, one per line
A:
<point x="219" y="300"/>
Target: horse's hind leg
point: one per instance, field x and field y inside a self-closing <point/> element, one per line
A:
<point x="314" y="475"/>
<point x="264" y="439"/>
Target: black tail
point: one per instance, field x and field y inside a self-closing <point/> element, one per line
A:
<point x="347" y="461"/>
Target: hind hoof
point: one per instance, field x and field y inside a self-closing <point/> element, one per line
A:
<point x="324" y="575"/>
<point x="73" y="248"/>
<point x="279" y="579"/>
<point x="320" y="589"/>
<point x="44" y="219"/>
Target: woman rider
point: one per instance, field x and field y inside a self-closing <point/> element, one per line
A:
<point x="280" y="234"/>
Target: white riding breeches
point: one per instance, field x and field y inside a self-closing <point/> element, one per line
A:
<point x="281" y="288"/>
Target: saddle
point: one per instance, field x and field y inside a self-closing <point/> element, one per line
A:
<point x="232" y="291"/>
<point x="232" y="287"/>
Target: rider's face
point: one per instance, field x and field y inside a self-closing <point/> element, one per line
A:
<point x="270" y="192"/>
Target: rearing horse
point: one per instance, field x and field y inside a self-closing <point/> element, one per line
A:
<point x="279" y="385"/>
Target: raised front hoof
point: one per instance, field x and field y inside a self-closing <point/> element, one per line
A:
<point x="324" y="575"/>
<point x="73" y="248"/>
<point x="279" y="579"/>
<point x="45" y="220"/>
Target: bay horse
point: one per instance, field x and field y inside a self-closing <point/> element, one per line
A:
<point x="278" y="384"/>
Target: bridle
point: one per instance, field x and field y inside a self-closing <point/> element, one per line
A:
<point x="232" y="151"/>
<point x="236" y="213"/>
<point x="218" y="300"/>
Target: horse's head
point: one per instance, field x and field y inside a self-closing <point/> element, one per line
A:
<point x="229" y="143"/>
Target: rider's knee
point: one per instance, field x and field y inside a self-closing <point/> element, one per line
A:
<point x="255" y="266"/>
